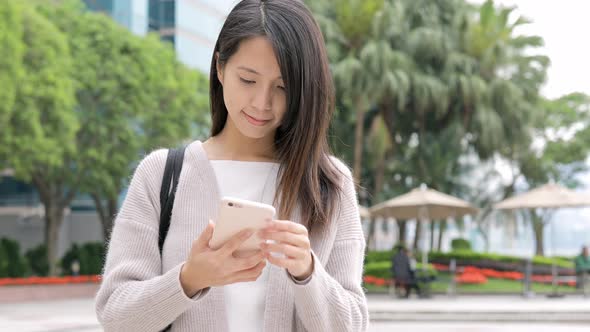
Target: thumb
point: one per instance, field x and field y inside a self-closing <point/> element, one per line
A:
<point x="205" y="237"/>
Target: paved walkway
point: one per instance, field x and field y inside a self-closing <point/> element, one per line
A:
<point x="464" y="313"/>
<point x="571" y="309"/>
<point x="49" y="316"/>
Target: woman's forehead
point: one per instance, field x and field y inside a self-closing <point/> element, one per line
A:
<point x="257" y="56"/>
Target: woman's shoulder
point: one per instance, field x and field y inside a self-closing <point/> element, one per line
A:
<point x="153" y="161"/>
<point x="344" y="171"/>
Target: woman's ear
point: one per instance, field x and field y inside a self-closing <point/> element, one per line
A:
<point x="219" y="68"/>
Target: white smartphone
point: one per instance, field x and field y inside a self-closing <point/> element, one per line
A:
<point x="236" y="215"/>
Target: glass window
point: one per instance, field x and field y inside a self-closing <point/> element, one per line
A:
<point x="161" y="14"/>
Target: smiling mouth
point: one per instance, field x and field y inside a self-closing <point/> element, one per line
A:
<point x="255" y="121"/>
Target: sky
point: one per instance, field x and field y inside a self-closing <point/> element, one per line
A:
<point x="565" y="27"/>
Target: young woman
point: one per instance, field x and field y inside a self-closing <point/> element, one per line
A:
<point x="271" y="101"/>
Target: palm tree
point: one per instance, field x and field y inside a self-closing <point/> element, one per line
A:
<point x="346" y="25"/>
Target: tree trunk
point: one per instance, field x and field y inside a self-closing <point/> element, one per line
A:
<point x="379" y="176"/>
<point x="53" y="221"/>
<point x="106" y="214"/>
<point x="401" y="226"/>
<point x="538" y="229"/>
<point x="441" y="230"/>
<point x="432" y="227"/>
<point x="416" y="244"/>
<point x="371" y="236"/>
<point x="113" y="209"/>
<point x="358" y="141"/>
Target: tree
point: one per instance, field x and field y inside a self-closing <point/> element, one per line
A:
<point x="565" y="129"/>
<point x="346" y="25"/>
<point x="11" y="63"/>
<point x="133" y="96"/>
<point x="454" y="82"/>
<point x="37" y="123"/>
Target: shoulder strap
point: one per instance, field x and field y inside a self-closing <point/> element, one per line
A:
<point x="167" y="194"/>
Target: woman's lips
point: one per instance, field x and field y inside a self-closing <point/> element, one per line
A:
<point x="254" y="121"/>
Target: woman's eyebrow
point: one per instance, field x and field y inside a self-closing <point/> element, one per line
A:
<point x="250" y="70"/>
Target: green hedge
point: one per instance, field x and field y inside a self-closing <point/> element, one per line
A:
<point x="37" y="258"/>
<point x="475" y="256"/>
<point x="383" y="269"/>
<point x="12" y="263"/>
<point x="464" y="255"/>
<point x="90" y="256"/>
<point x="34" y="262"/>
<point x="460" y="244"/>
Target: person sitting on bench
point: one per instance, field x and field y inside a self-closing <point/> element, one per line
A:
<point x="582" y="262"/>
<point x="403" y="274"/>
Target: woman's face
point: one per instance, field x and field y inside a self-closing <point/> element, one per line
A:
<point x="253" y="90"/>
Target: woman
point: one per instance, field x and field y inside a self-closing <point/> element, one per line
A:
<point x="271" y="100"/>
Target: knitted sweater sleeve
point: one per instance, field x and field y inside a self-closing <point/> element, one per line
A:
<point x="333" y="298"/>
<point x="135" y="295"/>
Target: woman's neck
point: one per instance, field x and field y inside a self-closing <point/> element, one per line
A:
<point x="232" y="145"/>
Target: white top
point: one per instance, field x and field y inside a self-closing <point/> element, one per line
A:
<point x="255" y="181"/>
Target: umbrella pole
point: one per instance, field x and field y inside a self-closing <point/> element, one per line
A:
<point x="424" y="253"/>
<point x="554" y="274"/>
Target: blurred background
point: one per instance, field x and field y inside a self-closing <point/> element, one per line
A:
<point x="479" y="100"/>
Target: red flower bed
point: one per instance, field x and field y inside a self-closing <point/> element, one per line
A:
<point x="471" y="278"/>
<point x="371" y="280"/>
<point x="49" y="280"/>
<point x="473" y="275"/>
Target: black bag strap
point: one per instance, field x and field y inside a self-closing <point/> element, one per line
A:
<point x="171" y="175"/>
<point x="167" y="194"/>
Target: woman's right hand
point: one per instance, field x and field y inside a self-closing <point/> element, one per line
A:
<point x="206" y="267"/>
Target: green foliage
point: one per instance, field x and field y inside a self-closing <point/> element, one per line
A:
<point x="133" y="96"/>
<point x="37" y="258"/>
<point x="460" y="244"/>
<point x="83" y="99"/>
<point x="382" y="269"/>
<point x="378" y="256"/>
<point x="90" y="256"/>
<point x="12" y="263"/>
<point x="38" y="126"/>
<point x="11" y="66"/>
<point x="469" y="256"/>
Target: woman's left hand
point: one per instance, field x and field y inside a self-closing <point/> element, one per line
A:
<point x="292" y="240"/>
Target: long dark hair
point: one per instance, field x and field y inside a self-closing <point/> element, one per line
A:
<point x="308" y="176"/>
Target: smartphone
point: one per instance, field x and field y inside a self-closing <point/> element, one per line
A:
<point x="236" y="215"/>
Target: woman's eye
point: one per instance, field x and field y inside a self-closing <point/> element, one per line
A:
<point x="281" y="87"/>
<point x="247" y="81"/>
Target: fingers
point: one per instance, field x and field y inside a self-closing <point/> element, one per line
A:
<point x="202" y="242"/>
<point x="287" y="226"/>
<point x="297" y="240"/>
<point x="250" y="262"/>
<point x="250" y="274"/>
<point x="286" y="249"/>
<point x="285" y="263"/>
<point x="236" y="241"/>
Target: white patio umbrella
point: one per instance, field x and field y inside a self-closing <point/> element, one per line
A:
<point x="423" y="204"/>
<point x="549" y="196"/>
